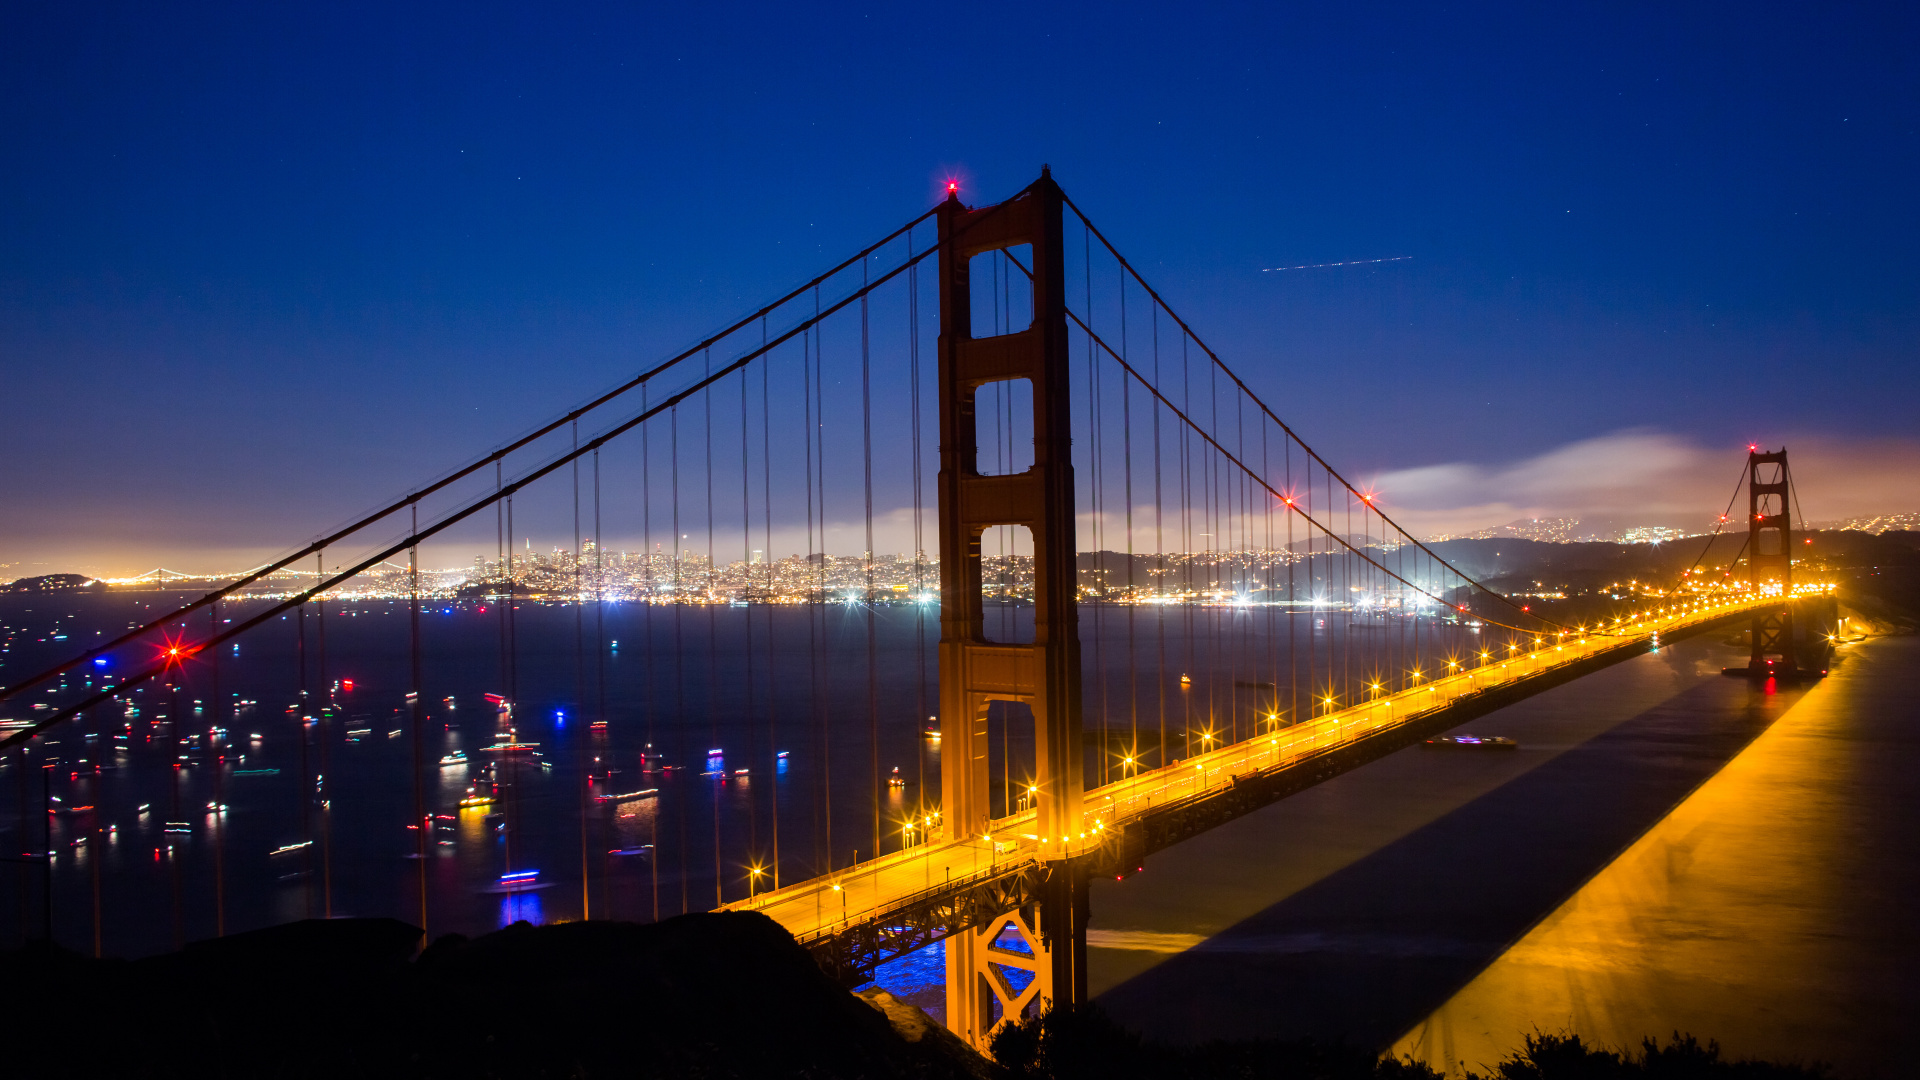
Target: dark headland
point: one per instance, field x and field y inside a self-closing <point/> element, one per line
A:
<point x="711" y="996"/>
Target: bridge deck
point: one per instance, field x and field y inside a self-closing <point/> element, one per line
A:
<point x="865" y="892"/>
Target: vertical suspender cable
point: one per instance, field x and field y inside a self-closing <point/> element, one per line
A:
<point x="1126" y="485"/>
<point x="1097" y="489"/>
<point x="1159" y="557"/>
<point x="1210" y="476"/>
<point x="919" y="539"/>
<point x="652" y="601"/>
<point x="217" y="747"/>
<point x="422" y="823"/>
<point x="1346" y="593"/>
<point x="746" y="558"/>
<point x="819" y="437"/>
<point x="300" y="719"/>
<point x="326" y="751"/>
<point x="716" y="784"/>
<point x="1267" y="586"/>
<point x="816" y="723"/>
<point x="581" y="779"/>
<point x="679" y="659"/>
<point x="1313" y="592"/>
<point x="1293" y="598"/>
<point x="510" y="820"/>
<point x="511" y="608"/>
<point x="766" y="517"/>
<point x="873" y="657"/>
<point x="1236" y="524"/>
<point x="500" y="573"/>
<point x="1186" y="542"/>
<point x="600" y="652"/>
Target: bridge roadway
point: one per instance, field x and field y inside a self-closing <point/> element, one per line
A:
<point x="826" y="905"/>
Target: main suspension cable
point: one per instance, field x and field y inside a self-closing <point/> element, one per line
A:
<point x="1161" y="301"/>
<point x="1228" y="455"/>
<point x="461" y="473"/>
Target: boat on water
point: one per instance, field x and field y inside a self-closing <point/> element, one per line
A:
<point x="479" y="796"/>
<point x="513" y="748"/>
<point x="517" y="882"/>
<point x="1471" y="742"/>
<point x="458" y="757"/>
<point x="643" y="793"/>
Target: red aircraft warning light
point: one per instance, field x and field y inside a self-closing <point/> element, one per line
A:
<point x="175" y="651"/>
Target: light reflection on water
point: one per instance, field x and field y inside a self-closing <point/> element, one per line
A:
<point x="919" y="978"/>
<point x="519" y="907"/>
<point x="321" y="787"/>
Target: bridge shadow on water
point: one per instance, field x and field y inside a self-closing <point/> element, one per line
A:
<point x="1371" y="949"/>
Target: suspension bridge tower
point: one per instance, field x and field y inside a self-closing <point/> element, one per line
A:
<point x="1043" y="673"/>
<point x="1770" y="559"/>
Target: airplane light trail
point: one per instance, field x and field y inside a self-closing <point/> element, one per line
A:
<point x="1351" y="262"/>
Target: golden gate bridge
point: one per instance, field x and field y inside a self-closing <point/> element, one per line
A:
<point x="1139" y="568"/>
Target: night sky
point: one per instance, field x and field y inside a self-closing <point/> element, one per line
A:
<point x="263" y="265"/>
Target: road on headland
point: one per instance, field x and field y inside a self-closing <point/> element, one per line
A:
<point x="1772" y="910"/>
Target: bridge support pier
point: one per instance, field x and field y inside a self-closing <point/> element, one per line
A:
<point x="995" y="973"/>
<point x="1064" y="908"/>
<point x="1021" y="962"/>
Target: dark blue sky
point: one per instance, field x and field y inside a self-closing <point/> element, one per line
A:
<point x="255" y="253"/>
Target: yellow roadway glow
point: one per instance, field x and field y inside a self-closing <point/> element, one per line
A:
<point x="828" y="903"/>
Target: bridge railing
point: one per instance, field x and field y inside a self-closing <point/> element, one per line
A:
<point x="862" y="902"/>
<point x="1115" y="803"/>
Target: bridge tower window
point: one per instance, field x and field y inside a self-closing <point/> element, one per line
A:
<point x="1000" y="290"/>
<point x="1003" y="427"/>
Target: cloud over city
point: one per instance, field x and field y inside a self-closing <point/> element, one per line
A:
<point x="1642" y="477"/>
